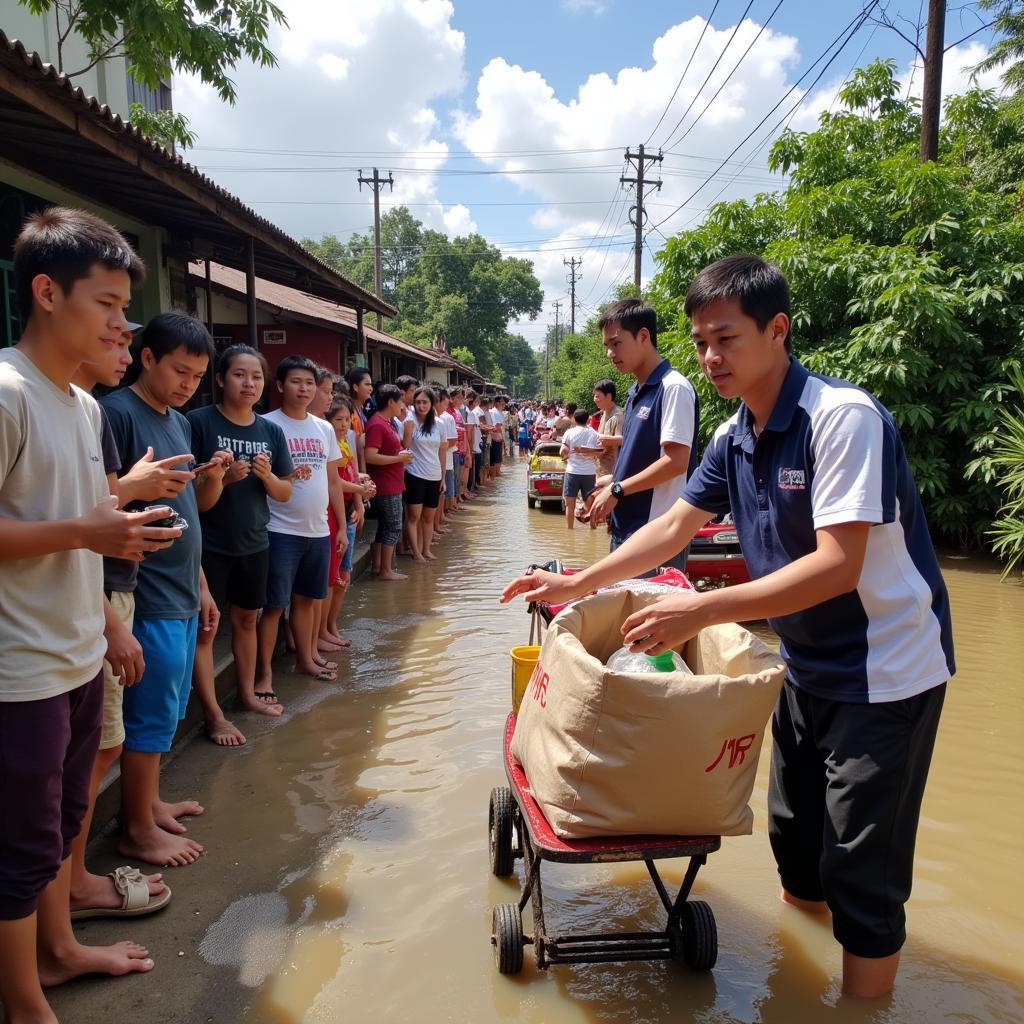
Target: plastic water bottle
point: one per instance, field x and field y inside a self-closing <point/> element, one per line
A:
<point x="625" y="660"/>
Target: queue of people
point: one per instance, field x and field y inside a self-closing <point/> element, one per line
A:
<point x="149" y="522"/>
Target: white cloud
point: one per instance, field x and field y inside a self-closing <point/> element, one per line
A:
<point x="353" y="78"/>
<point x="585" y="6"/>
<point x="516" y="109"/>
<point x="457" y="221"/>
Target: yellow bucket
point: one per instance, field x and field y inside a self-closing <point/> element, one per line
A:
<point x="524" y="659"/>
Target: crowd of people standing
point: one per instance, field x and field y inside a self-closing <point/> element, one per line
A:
<point x="149" y="522"/>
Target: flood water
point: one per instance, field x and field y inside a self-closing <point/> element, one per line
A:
<point x="372" y="899"/>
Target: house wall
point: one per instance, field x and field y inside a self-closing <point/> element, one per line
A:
<point x="155" y="294"/>
<point x="107" y="81"/>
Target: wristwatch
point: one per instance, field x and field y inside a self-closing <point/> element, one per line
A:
<point x="617" y="491"/>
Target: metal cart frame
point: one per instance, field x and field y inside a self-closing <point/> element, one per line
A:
<point x="518" y="829"/>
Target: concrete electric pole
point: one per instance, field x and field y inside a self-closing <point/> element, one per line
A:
<point x="572" y="264"/>
<point x="377" y="183"/>
<point x="637" y="216"/>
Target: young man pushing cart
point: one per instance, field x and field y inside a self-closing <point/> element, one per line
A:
<point x="842" y="566"/>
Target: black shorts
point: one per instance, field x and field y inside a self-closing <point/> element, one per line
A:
<point x="497" y="449"/>
<point x="843" y="806"/>
<point x="239" y="580"/>
<point x="422" y="492"/>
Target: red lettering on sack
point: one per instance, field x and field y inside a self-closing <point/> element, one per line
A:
<point x="737" y="748"/>
<point x="539" y="685"/>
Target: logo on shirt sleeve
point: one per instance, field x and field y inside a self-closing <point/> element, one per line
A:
<point x="792" y="479"/>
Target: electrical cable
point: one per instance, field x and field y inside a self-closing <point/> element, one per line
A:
<point x="707" y="23"/>
<point x="850" y="31"/>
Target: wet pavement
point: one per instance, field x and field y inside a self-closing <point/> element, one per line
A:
<point x="346" y="877"/>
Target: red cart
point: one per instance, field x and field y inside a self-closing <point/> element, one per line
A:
<point x="518" y="829"/>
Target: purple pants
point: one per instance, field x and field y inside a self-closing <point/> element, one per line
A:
<point x="47" y="750"/>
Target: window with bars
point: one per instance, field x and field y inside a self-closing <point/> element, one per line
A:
<point x="10" y="322"/>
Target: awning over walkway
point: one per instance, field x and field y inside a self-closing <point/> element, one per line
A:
<point x="51" y="128"/>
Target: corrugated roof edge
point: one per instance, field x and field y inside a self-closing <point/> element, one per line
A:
<point x="76" y="96"/>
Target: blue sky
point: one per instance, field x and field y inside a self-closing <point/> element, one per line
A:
<point x="429" y="88"/>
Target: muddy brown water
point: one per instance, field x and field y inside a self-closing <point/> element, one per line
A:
<point x="357" y="827"/>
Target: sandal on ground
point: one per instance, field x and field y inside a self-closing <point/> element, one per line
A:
<point x="267" y="696"/>
<point x="132" y="887"/>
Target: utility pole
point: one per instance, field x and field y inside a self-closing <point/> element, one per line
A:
<point x="558" y="338"/>
<point x="377" y="183"/>
<point x="643" y="186"/>
<point x="931" y="97"/>
<point x="572" y="264"/>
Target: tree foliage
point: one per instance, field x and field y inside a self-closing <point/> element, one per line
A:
<point x="461" y="289"/>
<point x="907" y="278"/>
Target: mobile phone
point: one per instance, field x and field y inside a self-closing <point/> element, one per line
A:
<point x="205" y="466"/>
<point x="170" y="521"/>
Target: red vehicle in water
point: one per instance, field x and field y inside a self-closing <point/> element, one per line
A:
<point x="715" y="558"/>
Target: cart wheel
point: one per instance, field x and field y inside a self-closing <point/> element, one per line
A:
<point x="499" y="827"/>
<point x="700" y="936"/>
<point x="507" y="938"/>
<point x="529" y="502"/>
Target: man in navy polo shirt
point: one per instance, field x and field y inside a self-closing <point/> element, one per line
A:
<point x="659" y="434"/>
<point x="831" y="525"/>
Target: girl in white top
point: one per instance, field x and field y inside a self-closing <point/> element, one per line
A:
<point x="424" y="475"/>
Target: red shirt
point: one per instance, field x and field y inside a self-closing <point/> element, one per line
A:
<point x="380" y="434"/>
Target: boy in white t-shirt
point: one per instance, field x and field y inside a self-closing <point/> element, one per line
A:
<point x="300" y="544"/>
<point x="581" y="447"/>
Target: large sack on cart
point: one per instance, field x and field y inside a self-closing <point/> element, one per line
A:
<point x="609" y="753"/>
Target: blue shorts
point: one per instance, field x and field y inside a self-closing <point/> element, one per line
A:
<point x="157" y="702"/>
<point x="298" y="565"/>
<point x="449" y="483"/>
<point x="346" y="559"/>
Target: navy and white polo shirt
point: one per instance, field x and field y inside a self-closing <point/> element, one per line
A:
<point x="829" y="454"/>
<point x="664" y="408"/>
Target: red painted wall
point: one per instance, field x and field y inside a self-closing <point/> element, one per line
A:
<point x="316" y="343"/>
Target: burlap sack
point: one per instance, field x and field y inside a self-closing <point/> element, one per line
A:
<point x="611" y="753"/>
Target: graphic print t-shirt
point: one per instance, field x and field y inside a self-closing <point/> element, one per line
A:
<point x="237" y="524"/>
<point x="311" y="445"/>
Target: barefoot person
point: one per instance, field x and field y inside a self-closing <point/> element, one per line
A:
<point x="831" y="525"/>
<point x="73" y="275"/>
<point x="172" y="602"/>
<point x="386" y="461"/>
<point x="234" y="513"/>
<point x="424" y="476"/>
<point x="300" y="543"/>
<point x="340" y="417"/>
<point x="125" y="890"/>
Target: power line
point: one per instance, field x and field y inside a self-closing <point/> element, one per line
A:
<point x="849" y="32"/>
<point x="709" y="74"/>
<point x="707" y="23"/>
<point x="725" y="81"/>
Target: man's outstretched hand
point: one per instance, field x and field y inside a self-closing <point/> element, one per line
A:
<point x="540" y="585"/>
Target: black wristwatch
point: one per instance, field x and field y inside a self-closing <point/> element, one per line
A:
<point x="617" y="491"/>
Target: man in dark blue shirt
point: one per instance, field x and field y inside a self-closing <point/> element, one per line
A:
<point x="659" y="433"/>
<point x="831" y="525"/>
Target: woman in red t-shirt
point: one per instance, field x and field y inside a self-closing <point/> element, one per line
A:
<point x="385" y="462"/>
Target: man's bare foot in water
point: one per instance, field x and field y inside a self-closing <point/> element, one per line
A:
<point x="224" y="734"/>
<point x="166" y="815"/>
<point x="262" y="702"/>
<point x="392" y="576"/>
<point x="59" y="966"/>
<point x="335" y="638"/>
<point x="160" y="847"/>
<point x="326" y="646"/>
<point x="97" y="892"/>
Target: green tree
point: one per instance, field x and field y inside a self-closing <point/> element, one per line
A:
<point x="206" y="38"/>
<point x="907" y="278"/>
<point x="1008" y="20"/>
